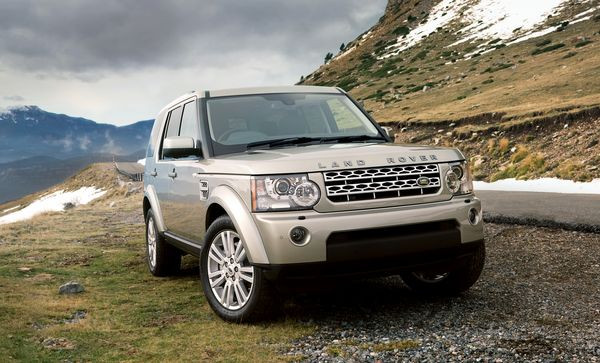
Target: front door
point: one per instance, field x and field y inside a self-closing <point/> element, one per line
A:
<point x="187" y="201"/>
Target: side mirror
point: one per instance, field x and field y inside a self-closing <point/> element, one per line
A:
<point x="389" y="131"/>
<point x="180" y="146"/>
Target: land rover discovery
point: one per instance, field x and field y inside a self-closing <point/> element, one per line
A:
<point x="268" y="184"/>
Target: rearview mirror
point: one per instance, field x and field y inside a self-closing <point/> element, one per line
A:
<point x="389" y="131"/>
<point x="180" y="146"/>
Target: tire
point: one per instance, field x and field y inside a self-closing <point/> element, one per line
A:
<point x="452" y="282"/>
<point x="163" y="259"/>
<point x="235" y="290"/>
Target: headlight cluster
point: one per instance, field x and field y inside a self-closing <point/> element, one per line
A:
<point x="459" y="179"/>
<point x="283" y="192"/>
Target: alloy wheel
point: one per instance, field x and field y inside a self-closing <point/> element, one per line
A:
<point x="230" y="274"/>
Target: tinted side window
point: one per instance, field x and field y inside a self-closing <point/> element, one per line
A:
<point x="174" y="123"/>
<point x="189" y="124"/>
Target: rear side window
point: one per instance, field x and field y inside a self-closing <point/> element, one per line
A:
<point x="174" y="122"/>
<point x="189" y="124"/>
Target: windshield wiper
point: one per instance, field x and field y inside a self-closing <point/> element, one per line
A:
<point x="341" y="139"/>
<point x="283" y="142"/>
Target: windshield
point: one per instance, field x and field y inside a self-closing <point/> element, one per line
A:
<point x="239" y="122"/>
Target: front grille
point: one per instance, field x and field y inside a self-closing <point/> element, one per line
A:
<point x="380" y="183"/>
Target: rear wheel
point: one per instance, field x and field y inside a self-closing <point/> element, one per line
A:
<point x="163" y="259"/>
<point x="448" y="282"/>
<point x="234" y="289"/>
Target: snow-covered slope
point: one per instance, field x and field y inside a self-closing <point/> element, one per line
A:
<point x="54" y="202"/>
<point x="509" y="20"/>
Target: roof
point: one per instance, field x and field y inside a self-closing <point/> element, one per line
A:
<point x="252" y="91"/>
<point x="263" y="90"/>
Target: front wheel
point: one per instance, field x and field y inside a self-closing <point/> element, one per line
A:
<point x="448" y="282"/>
<point x="234" y="289"/>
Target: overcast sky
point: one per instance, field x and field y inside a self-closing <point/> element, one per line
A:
<point x="121" y="61"/>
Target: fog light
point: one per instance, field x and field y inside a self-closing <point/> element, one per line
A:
<point x="299" y="235"/>
<point x="473" y="216"/>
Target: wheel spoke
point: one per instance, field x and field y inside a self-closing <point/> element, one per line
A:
<point x="230" y="245"/>
<point x="217" y="281"/>
<point x="238" y="295"/>
<point x="228" y="295"/>
<point x="248" y="269"/>
<point x="224" y="236"/>
<point x="242" y="255"/>
<point x="214" y="274"/>
<point x="238" y="249"/>
<point x="242" y="290"/>
<point x="247" y="278"/>
<point x="215" y="254"/>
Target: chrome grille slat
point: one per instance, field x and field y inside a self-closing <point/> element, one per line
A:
<point x="367" y="183"/>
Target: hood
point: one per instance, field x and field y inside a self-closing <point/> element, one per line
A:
<point x="316" y="158"/>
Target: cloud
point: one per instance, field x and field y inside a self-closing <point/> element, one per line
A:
<point x="14" y="98"/>
<point x="86" y="37"/>
<point x="121" y="61"/>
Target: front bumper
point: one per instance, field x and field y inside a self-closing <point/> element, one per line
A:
<point x="370" y="234"/>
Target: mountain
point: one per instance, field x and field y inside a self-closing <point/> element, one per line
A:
<point x="29" y="131"/>
<point x="450" y="59"/>
<point x="25" y="176"/>
<point x="39" y="148"/>
<point x="514" y="85"/>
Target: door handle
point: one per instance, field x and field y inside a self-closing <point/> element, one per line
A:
<point x="173" y="174"/>
<point x="153" y="173"/>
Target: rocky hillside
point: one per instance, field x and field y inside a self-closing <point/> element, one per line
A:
<point x="494" y="77"/>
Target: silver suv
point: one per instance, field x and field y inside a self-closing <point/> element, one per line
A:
<point x="268" y="184"/>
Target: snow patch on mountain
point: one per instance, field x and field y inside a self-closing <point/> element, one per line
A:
<point x="503" y="19"/>
<point x="54" y="202"/>
<point x="441" y="15"/>
<point x="508" y="20"/>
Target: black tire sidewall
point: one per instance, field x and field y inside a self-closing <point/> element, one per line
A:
<point x="168" y="258"/>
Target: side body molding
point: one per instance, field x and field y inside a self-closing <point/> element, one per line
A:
<point x="227" y="198"/>
<point x="150" y="193"/>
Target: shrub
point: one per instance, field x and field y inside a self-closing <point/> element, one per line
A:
<point x="543" y="42"/>
<point x="347" y="83"/>
<point x="547" y="49"/>
<point x="401" y="30"/>
<point x="583" y="43"/>
<point x="521" y="153"/>
<point x="503" y="145"/>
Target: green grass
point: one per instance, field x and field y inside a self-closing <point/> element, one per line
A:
<point x="131" y="315"/>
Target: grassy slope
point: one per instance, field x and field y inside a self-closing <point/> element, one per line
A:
<point x="130" y="314"/>
<point x="392" y="88"/>
<point x="508" y="95"/>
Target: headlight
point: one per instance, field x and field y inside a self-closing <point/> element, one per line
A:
<point x="283" y="192"/>
<point x="458" y="179"/>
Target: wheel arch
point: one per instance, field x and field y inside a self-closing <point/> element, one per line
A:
<point x="151" y="202"/>
<point x="225" y="199"/>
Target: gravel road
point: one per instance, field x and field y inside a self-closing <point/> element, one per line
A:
<point x="538" y="299"/>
